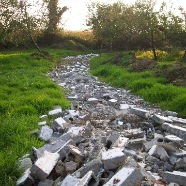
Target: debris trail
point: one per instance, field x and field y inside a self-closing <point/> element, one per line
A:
<point x="108" y="137"/>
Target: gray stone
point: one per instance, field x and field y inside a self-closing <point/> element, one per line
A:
<point x="60" y="169"/>
<point x="45" y="133"/>
<point x="160" y="119"/>
<point x="177" y="120"/>
<point x="70" y="181"/>
<point x="25" y="163"/>
<point x="175" y="140"/>
<point x="158" y="152"/>
<point x="64" y="149"/>
<point x="60" y="124"/>
<point x="46" y="182"/>
<point x="139" y="112"/>
<point x="26" y="179"/>
<point x="88" y="179"/>
<point x="121" y="142"/>
<point x="113" y="158"/>
<point x="70" y="166"/>
<point x="178" y="131"/>
<point x="171" y="113"/>
<point x="175" y="176"/>
<point x="126" y="177"/>
<point x="54" y="147"/>
<point x="94" y="165"/>
<point x="44" y="165"/>
<point x="137" y="144"/>
<point x="134" y="133"/>
<point x="113" y="137"/>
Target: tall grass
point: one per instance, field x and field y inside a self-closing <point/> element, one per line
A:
<point x="153" y="89"/>
<point x="25" y="93"/>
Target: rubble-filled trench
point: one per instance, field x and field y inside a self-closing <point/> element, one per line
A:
<point x="108" y="137"/>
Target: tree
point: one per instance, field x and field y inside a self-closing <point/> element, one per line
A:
<point x="54" y="15"/>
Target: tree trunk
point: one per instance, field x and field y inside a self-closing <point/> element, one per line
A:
<point x="154" y="53"/>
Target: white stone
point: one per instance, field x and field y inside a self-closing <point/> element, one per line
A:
<point x="126" y="177"/>
<point x="62" y="84"/>
<point x="55" y="112"/>
<point x="42" y="123"/>
<point x="121" y="142"/>
<point x="75" y="130"/>
<point x="113" y="158"/>
<point x="44" y="165"/>
<point x="93" y="100"/>
<point x="45" y="133"/>
<point x="113" y="100"/>
<point x="124" y="106"/>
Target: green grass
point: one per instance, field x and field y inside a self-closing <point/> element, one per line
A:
<point x="25" y="93"/>
<point x="153" y="89"/>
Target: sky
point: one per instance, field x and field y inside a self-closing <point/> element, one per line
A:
<point x="75" y="17"/>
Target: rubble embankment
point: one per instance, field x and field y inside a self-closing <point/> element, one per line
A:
<point x="108" y="137"/>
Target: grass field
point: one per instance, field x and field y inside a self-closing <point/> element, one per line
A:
<point x="25" y="94"/>
<point x="153" y="89"/>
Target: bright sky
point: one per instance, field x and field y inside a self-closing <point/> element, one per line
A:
<point x="75" y="17"/>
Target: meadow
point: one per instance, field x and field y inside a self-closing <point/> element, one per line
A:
<point x="26" y="92"/>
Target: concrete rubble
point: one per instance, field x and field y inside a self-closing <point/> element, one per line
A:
<point x="107" y="137"/>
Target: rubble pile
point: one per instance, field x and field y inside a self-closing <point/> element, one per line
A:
<point x="108" y="137"/>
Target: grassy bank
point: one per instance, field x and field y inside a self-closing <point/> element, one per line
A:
<point x="153" y="89"/>
<point x="25" y="93"/>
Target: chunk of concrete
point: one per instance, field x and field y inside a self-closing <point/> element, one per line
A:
<point x="64" y="149"/>
<point x="54" y="147"/>
<point x="70" y="181"/>
<point x="133" y="133"/>
<point x="113" y="137"/>
<point x="113" y="158"/>
<point x="177" y="120"/>
<point x="158" y="152"/>
<point x="75" y="131"/>
<point x="45" y="133"/>
<point x="46" y="182"/>
<point x="70" y="166"/>
<point x="26" y="179"/>
<point x="160" y="119"/>
<point x="126" y="177"/>
<point x="175" y="140"/>
<point x="60" y="124"/>
<point x="88" y="179"/>
<point x="44" y="165"/>
<point x="121" y="142"/>
<point x="55" y="112"/>
<point x="175" y="176"/>
<point x="139" y="112"/>
<point x="178" y="131"/>
<point x="94" y="165"/>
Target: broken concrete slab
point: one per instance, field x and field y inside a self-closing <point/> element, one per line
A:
<point x="46" y="182"/>
<point x="139" y="112"/>
<point x="45" y="133"/>
<point x="133" y="133"/>
<point x="126" y="177"/>
<point x="175" y="176"/>
<point x="176" y="130"/>
<point x="44" y="165"/>
<point x="70" y="181"/>
<point x="160" y="119"/>
<point x="175" y="140"/>
<point x="113" y="158"/>
<point x="158" y="152"/>
<point x="94" y="165"/>
<point x="88" y="179"/>
<point x="26" y="179"/>
<point x="177" y="120"/>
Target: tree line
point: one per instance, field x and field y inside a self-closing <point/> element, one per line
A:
<point x="138" y="26"/>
